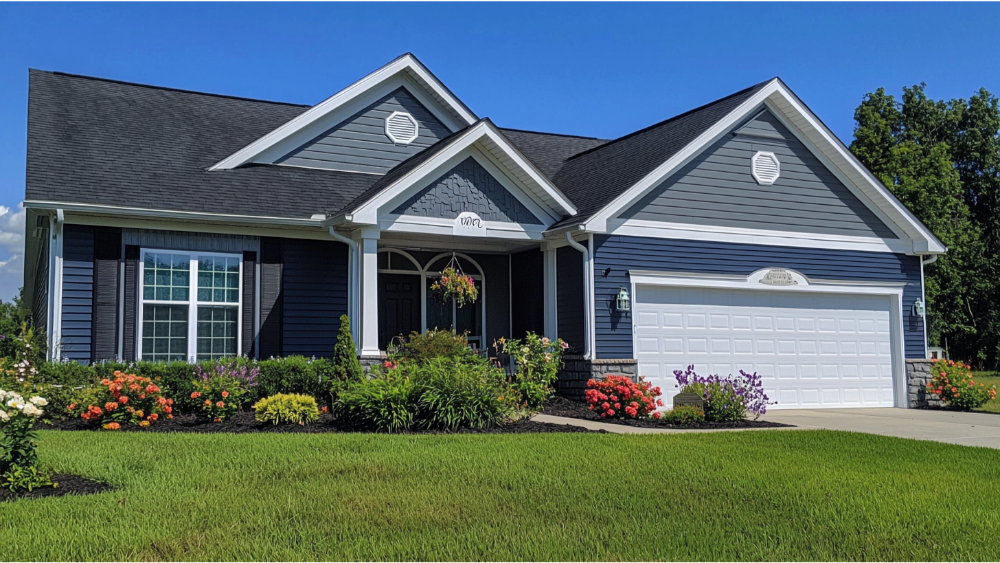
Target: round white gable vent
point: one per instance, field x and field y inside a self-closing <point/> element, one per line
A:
<point x="765" y="168"/>
<point x="401" y="128"/>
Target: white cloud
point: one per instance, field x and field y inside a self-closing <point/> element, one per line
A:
<point x="11" y="251"/>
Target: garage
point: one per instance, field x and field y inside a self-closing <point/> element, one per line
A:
<point x="813" y="349"/>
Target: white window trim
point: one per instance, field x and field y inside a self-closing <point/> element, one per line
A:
<point x="424" y="272"/>
<point x="892" y="291"/>
<point x="192" y="302"/>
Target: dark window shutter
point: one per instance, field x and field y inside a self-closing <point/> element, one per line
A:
<point x="270" y="297"/>
<point x="107" y="256"/>
<point x="131" y="317"/>
<point x="249" y="278"/>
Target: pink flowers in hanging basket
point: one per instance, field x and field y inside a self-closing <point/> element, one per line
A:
<point x="454" y="284"/>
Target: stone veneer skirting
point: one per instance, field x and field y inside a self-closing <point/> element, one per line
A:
<point x="918" y="374"/>
<point x="577" y="371"/>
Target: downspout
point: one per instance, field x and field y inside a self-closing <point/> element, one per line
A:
<point x="353" y="271"/>
<point x="55" y="251"/>
<point x="587" y="313"/>
<point x="923" y="297"/>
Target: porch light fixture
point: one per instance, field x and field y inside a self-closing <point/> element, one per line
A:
<point x="622" y="302"/>
<point x="918" y="308"/>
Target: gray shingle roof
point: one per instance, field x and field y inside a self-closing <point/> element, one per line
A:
<point x="98" y="141"/>
<point x="105" y="142"/>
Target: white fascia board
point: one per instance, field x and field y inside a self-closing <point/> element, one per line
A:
<point x="645" y="277"/>
<point x="439" y="226"/>
<point x="367" y="213"/>
<point x="406" y="65"/>
<point x="826" y="141"/>
<point x="164" y="214"/>
<point x="738" y="235"/>
<point x="598" y="223"/>
<point x="918" y="239"/>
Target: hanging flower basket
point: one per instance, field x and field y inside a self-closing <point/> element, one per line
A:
<point x="455" y="284"/>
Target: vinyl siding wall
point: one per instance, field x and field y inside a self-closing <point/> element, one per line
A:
<point x="359" y="143"/>
<point x="569" y="297"/>
<point x="623" y="253"/>
<point x="718" y="189"/>
<point x="313" y="296"/>
<point x="76" y="337"/>
<point x="467" y="187"/>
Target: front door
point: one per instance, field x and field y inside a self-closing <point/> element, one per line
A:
<point x="398" y="306"/>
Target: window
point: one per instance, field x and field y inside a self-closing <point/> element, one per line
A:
<point x="178" y="288"/>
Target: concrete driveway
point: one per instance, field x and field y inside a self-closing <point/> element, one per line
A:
<point x="964" y="428"/>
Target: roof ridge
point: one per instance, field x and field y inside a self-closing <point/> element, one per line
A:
<point x="553" y="134"/>
<point x="669" y="119"/>
<point x="167" y="88"/>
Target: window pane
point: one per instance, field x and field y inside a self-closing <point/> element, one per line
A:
<point x="215" y="274"/>
<point x="216" y="332"/>
<point x="166" y="277"/>
<point x="164" y="332"/>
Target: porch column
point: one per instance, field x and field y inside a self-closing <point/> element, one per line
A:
<point x="549" y="291"/>
<point x="368" y="289"/>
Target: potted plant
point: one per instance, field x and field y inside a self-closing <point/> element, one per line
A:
<point x="455" y="284"/>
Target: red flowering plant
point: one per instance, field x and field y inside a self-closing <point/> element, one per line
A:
<point x="218" y="397"/>
<point x="455" y="284"/>
<point x="953" y="382"/>
<point x="617" y="396"/>
<point x="126" y="399"/>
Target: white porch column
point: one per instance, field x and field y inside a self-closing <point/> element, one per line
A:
<point x="549" y="293"/>
<point x="368" y="288"/>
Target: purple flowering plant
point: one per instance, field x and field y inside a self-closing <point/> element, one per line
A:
<point x="245" y="372"/>
<point x="726" y="398"/>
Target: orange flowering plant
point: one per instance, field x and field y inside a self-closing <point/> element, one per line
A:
<point x="125" y="399"/>
<point x="953" y="382"/>
<point x="617" y="396"/>
<point x="218" y="396"/>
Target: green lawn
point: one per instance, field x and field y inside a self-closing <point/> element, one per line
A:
<point x="771" y="495"/>
<point x="989" y="378"/>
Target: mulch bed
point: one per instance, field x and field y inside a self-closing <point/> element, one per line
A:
<point x="68" y="485"/>
<point x="561" y="406"/>
<point x="244" y="422"/>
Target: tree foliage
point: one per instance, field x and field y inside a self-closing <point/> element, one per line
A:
<point x="942" y="160"/>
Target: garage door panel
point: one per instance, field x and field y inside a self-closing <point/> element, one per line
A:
<point x="810" y="351"/>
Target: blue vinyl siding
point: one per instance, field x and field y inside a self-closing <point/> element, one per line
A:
<point x="313" y="296"/>
<point x="569" y="297"/>
<point x="77" y="293"/>
<point x="624" y="253"/>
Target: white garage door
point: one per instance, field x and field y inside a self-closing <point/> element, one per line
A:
<point x="812" y="350"/>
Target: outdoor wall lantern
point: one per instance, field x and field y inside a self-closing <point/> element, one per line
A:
<point x="622" y="302"/>
<point x="918" y="308"/>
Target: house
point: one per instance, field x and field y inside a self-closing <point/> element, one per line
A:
<point x="167" y="224"/>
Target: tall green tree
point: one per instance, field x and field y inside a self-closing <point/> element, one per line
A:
<point x="941" y="160"/>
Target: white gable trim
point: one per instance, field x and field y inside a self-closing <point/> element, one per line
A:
<point x="784" y="104"/>
<point x="495" y="146"/>
<point x="404" y="71"/>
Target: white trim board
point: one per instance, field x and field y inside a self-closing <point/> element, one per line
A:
<point x="487" y="140"/>
<point x="405" y="70"/>
<point x="738" y="235"/>
<point x="784" y="104"/>
<point x="751" y="283"/>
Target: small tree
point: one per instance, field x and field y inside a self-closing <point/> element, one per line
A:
<point x="346" y="366"/>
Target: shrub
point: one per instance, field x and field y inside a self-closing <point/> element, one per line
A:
<point x="287" y="408"/>
<point x="346" y="366"/>
<point x="683" y="415"/>
<point x="128" y="399"/>
<point x="294" y="374"/>
<point x="538" y="361"/>
<point x="726" y="399"/>
<point x="953" y="382"/>
<point x="617" y="396"/>
<point x="73" y="374"/>
<point x="436" y="343"/>
<point x="437" y="393"/>
<point x="220" y="396"/>
<point x="17" y="422"/>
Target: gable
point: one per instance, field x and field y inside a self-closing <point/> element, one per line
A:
<point x="360" y="143"/>
<point x="717" y="188"/>
<point x="467" y="187"/>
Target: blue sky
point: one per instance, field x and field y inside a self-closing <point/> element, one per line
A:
<point x="589" y="69"/>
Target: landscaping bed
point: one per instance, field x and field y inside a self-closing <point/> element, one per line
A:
<point x="67" y="485"/>
<point x="561" y="406"/>
<point x="244" y="422"/>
